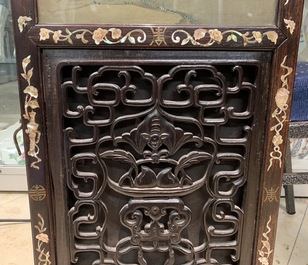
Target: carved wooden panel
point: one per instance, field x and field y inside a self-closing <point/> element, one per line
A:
<point x="154" y="143"/>
<point x="156" y="159"/>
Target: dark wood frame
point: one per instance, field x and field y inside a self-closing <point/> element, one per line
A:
<point x="30" y="43"/>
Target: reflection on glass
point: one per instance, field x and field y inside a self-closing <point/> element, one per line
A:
<point x="207" y="12"/>
<point x="299" y="110"/>
<point x="9" y="99"/>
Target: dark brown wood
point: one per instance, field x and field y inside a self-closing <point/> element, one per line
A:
<point x="155" y="144"/>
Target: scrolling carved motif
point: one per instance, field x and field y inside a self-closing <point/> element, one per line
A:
<point x="141" y="142"/>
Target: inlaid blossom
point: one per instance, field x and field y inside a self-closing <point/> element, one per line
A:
<point x="264" y="261"/>
<point x="116" y="33"/>
<point x="199" y="34"/>
<point x="258" y="36"/>
<point x="282" y="97"/>
<point x="42" y="237"/>
<point x="44" y="34"/>
<point x="99" y="34"/>
<point x="56" y="35"/>
<point x="216" y="35"/>
<point x="277" y="139"/>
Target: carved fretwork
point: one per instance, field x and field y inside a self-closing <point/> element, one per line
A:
<point x="156" y="162"/>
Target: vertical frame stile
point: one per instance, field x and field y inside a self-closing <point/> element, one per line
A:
<point x="32" y="115"/>
<point x="283" y="73"/>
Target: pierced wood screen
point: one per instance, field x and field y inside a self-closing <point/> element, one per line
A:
<point x="156" y="161"/>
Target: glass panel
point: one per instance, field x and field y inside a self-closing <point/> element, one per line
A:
<point x="209" y="12"/>
<point x="9" y="99"/>
<point x="299" y="110"/>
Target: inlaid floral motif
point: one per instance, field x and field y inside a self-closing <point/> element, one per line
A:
<point x="280" y="115"/>
<point x="290" y="24"/>
<point x="100" y="35"/>
<point x="265" y="251"/>
<point x="30" y="105"/>
<point x="23" y="22"/>
<point x="42" y="240"/>
<point x="208" y="37"/>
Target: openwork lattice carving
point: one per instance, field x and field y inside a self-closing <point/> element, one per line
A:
<point x="156" y="162"/>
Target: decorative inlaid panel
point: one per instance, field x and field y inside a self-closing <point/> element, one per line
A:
<point x="156" y="161"/>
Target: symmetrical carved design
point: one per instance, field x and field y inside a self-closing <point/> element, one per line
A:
<point x="265" y="251"/>
<point x="37" y="193"/>
<point x="140" y="142"/>
<point x="155" y="234"/>
<point x="211" y="36"/>
<point x="271" y="194"/>
<point x="159" y="36"/>
<point x="157" y="140"/>
<point x="280" y="115"/>
<point x="99" y="35"/>
<point x="42" y="240"/>
<point x="30" y="105"/>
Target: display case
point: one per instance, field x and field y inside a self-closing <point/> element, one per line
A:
<point x="155" y="131"/>
<point x="12" y="162"/>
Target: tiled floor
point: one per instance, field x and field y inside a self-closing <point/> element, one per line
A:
<point x="16" y="245"/>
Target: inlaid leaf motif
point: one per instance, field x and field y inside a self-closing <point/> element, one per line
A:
<point x="25" y="62"/>
<point x="234" y="37"/>
<point x="33" y="104"/>
<point x="185" y="41"/>
<point x="199" y="34"/>
<point x="132" y="40"/>
<point x="272" y="36"/>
